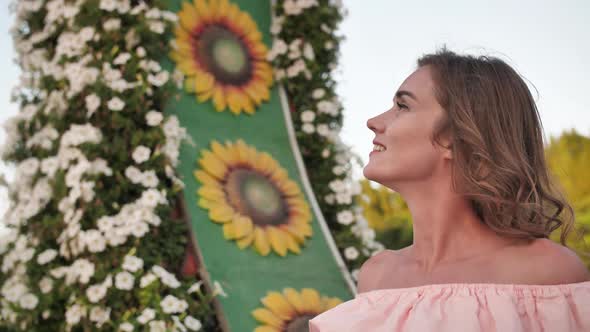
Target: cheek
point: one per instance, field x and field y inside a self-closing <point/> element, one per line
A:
<point x="409" y="155"/>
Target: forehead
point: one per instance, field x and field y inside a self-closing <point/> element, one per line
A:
<point x="421" y="84"/>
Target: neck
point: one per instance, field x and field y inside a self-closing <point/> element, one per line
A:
<point x="446" y="229"/>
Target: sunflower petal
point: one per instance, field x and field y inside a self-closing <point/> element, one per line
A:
<point x="221" y="213"/>
<point x="277" y="240"/>
<point x="294" y="231"/>
<point x="261" y="242"/>
<point x="219" y="98"/>
<point x="268" y="317"/>
<point x="243" y="226"/>
<point x="203" y="10"/>
<point x="205" y="204"/>
<point x="205" y="178"/>
<point x="211" y="193"/>
<point x="279" y="305"/>
<point x="246" y="240"/>
<point x="331" y="302"/>
<point x="222" y="153"/>
<point x="188" y="17"/>
<point x="229" y="231"/>
<point x="213" y="165"/>
<point x="267" y="328"/>
<point x="290" y="188"/>
<point x="204" y="82"/>
<point x="234" y="102"/>
<point x="311" y="298"/>
<point x="294" y="299"/>
<point x="292" y="243"/>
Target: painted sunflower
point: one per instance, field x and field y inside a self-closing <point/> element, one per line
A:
<point x="252" y="196"/>
<point x="291" y="310"/>
<point x="221" y="53"/>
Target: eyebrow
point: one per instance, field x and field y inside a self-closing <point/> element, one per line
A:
<point x="401" y="93"/>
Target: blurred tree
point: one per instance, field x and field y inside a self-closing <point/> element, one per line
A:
<point x="388" y="214"/>
<point x="568" y="158"/>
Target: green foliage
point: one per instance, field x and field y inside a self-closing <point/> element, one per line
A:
<point x="568" y="157"/>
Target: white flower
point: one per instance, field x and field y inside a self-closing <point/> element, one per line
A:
<point x="28" y="301"/>
<point x="159" y="79"/>
<point x="149" y="179"/>
<point x="126" y="327"/>
<point x="46" y="256"/>
<point x="108" y="5"/>
<point x="318" y="93"/>
<point x="133" y="173"/>
<point x="96" y="293"/>
<point x="146" y="315"/>
<point x="156" y="26"/>
<point x="338" y="170"/>
<point x="122" y="59"/>
<point x="99" y="315"/>
<point x="328" y="45"/>
<point x="146" y="280"/>
<point x="325" y="153"/>
<point x="337" y="185"/>
<point x="345" y="217"/>
<point x="124" y="280"/>
<point x="308" y="52"/>
<point x="132" y="263"/>
<point x="171" y="304"/>
<point x="217" y="289"/>
<point x="307" y="116"/>
<point x="196" y="287"/>
<point x="84" y="269"/>
<point x="116" y="104"/>
<point x="153" y="118"/>
<point x="343" y="198"/>
<point x="292" y="7"/>
<point x="92" y="104"/>
<point x="46" y="285"/>
<point x="323" y="129"/>
<point x="308" y="128"/>
<point x="170" y="281"/>
<point x="141" y="154"/>
<point x="351" y="253"/>
<point x="111" y="24"/>
<point x="140" y="51"/>
<point x="94" y="240"/>
<point x="192" y="323"/>
<point x="74" y="313"/>
<point x="157" y="326"/>
<point x="355" y="274"/>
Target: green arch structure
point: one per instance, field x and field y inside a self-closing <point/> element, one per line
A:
<point x="245" y="275"/>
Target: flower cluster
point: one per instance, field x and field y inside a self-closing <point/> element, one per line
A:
<point x="95" y="174"/>
<point x="304" y="53"/>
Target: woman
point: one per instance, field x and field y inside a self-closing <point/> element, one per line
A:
<point x="463" y="145"/>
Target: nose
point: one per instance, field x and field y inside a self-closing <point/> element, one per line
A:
<point x="373" y="124"/>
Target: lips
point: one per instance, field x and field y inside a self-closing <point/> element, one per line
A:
<point x="378" y="146"/>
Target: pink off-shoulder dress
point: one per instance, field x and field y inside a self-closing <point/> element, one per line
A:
<point x="465" y="307"/>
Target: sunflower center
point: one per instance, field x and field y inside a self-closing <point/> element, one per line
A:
<point x="224" y="54"/>
<point x="299" y="324"/>
<point x="256" y="196"/>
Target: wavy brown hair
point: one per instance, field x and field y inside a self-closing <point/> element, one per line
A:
<point x="496" y="139"/>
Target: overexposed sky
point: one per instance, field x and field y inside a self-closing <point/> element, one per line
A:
<point x="545" y="41"/>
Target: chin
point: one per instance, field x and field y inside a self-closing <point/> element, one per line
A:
<point x="371" y="173"/>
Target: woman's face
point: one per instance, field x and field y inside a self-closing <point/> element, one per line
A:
<point x="403" y="151"/>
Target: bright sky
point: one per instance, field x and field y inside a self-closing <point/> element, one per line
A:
<point x="545" y="41"/>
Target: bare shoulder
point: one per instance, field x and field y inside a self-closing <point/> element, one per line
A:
<point x="372" y="269"/>
<point x="547" y="262"/>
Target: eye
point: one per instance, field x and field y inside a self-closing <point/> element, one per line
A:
<point x="401" y="106"/>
